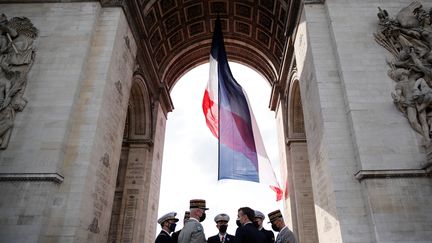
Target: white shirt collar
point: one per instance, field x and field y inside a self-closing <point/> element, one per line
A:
<point x="192" y="218"/>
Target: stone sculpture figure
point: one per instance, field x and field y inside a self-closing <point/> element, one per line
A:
<point x="17" y="53"/>
<point x="408" y="37"/>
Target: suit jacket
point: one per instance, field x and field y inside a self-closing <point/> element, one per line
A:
<point x="216" y="239"/>
<point x="163" y="237"/>
<point x="269" y="235"/>
<point x="248" y="233"/>
<point x="192" y="232"/>
<point x="285" y="236"/>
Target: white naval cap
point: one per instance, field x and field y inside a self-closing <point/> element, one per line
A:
<point x="168" y="216"/>
<point x="260" y="215"/>
<point x="222" y="217"/>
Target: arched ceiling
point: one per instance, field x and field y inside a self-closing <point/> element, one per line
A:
<point x="175" y="35"/>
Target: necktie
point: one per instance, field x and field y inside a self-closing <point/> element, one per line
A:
<point x="223" y="239"/>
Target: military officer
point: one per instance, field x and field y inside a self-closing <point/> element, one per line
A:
<point x="176" y="234"/>
<point x="269" y="235"/>
<point x="285" y="235"/>
<point x="168" y="224"/>
<point x="193" y="231"/>
<point x="222" y="225"/>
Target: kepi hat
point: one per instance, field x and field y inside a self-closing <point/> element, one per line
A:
<point x="187" y="215"/>
<point x="168" y="216"/>
<point x="198" y="203"/>
<point x="275" y="215"/>
<point x="222" y="217"/>
<point x="260" y="215"/>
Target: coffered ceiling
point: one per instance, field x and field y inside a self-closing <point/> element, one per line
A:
<point x="175" y="35"/>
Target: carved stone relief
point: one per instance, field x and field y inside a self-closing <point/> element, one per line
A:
<point x="17" y="53"/>
<point x="408" y="37"/>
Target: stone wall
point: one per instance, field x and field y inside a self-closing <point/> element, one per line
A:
<point x="353" y="128"/>
<point x="78" y="92"/>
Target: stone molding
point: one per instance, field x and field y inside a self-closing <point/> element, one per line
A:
<point x="295" y="140"/>
<point x="112" y="3"/>
<point x="131" y="142"/>
<point x="398" y="173"/>
<point x="50" y="177"/>
<point x="314" y="1"/>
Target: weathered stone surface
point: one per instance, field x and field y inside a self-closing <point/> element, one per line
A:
<point x="352" y="125"/>
<point x="74" y="124"/>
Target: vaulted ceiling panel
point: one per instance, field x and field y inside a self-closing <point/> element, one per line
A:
<point x="178" y="33"/>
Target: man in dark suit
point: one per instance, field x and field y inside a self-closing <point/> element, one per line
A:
<point x="222" y="224"/>
<point x="176" y="234"/>
<point x="247" y="232"/>
<point x="259" y="219"/>
<point x="168" y="224"/>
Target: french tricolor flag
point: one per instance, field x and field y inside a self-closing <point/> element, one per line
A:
<point x="242" y="155"/>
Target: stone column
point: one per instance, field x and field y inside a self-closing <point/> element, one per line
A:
<point x="299" y="211"/>
<point x="340" y="208"/>
<point x="302" y="191"/>
<point x="135" y="191"/>
<point x="153" y="177"/>
<point x="92" y="148"/>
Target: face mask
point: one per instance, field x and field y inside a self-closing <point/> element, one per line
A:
<point x="203" y="216"/>
<point x="275" y="228"/>
<point x="238" y="223"/>
<point x="223" y="228"/>
<point x="255" y="223"/>
<point x="172" y="227"/>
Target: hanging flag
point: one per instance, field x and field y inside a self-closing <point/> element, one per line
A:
<point x="242" y="155"/>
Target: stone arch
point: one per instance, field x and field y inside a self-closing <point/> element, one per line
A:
<point x="177" y="34"/>
<point x="175" y="37"/>
<point x="300" y="202"/>
<point x="131" y="188"/>
<point x="197" y="55"/>
<point x="139" y="117"/>
<point x="294" y="112"/>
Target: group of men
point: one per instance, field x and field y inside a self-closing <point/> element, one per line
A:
<point x="250" y="227"/>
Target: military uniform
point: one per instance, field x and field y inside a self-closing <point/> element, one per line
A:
<point x="217" y="239"/>
<point x="223" y="237"/>
<point x="268" y="234"/>
<point x="176" y="234"/>
<point x="192" y="232"/>
<point x="285" y="236"/>
<point x="164" y="235"/>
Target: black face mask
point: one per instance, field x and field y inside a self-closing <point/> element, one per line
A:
<point x="275" y="228"/>
<point x="238" y="223"/>
<point x="255" y="223"/>
<point x="202" y="218"/>
<point x="172" y="227"/>
<point x="223" y="228"/>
